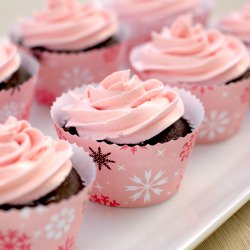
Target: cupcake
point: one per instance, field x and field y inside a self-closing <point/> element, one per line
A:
<point x="17" y="81"/>
<point x="237" y="24"/>
<point x="136" y="132"/>
<point x="76" y="43"/>
<point x="140" y="18"/>
<point x="42" y="185"/>
<point x="214" y="66"/>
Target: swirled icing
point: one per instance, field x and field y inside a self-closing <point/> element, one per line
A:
<point x="124" y="110"/>
<point x="10" y="60"/>
<point x="68" y="25"/>
<point x="31" y="164"/>
<point x="189" y="53"/>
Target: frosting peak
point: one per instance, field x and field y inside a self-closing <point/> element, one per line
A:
<point x="237" y="24"/>
<point x="188" y="53"/>
<point x="31" y="164"/>
<point x="10" y="60"/>
<point x="124" y="110"/>
<point x="68" y="25"/>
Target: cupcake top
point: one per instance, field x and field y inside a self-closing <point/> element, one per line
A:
<point x="67" y="25"/>
<point x="10" y="60"/>
<point x="31" y="164"/>
<point x="188" y="53"/>
<point x="237" y="24"/>
<point x="152" y="10"/>
<point x="123" y="110"/>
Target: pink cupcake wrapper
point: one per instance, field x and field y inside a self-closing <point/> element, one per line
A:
<point x="63" y="71"/>
<point x="225" y="107"/>
<point x="49" y="227"/>
<point x="17" y="101"/>
<point x="136" y="176"/>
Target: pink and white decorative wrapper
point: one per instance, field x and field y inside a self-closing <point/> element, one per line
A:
<point x="60" y="72"/>
<point x="17" y="101"/>
<point x="225" y="107"/>
<point x="49" y="227"/>
<point x="136" y="176"/>
<point x="136" y="33"/>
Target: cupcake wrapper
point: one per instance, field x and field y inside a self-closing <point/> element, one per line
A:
<point x="49" y="227"/>
<point x="63" y="71"/>
<point x="17" y="101"/>
<point x="136" y="176"/>
<point x="225" y="107"/>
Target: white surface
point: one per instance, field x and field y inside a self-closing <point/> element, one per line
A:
<point x="216" y="185"/>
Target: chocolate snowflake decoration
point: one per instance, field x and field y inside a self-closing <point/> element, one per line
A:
<point x="101" y="159"/>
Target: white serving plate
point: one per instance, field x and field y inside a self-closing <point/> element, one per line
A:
<point x="216" y="185"/>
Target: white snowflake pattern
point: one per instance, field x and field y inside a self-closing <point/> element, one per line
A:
<point x="76" y="77"/>
<point x="215" y="123"/>
<point x="11" y="109"/>
<point x="145" y="188"/>
<point x="60" y="223"/>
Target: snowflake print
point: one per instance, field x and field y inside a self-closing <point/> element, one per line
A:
<point x="45" y="97"/>
<point x="214" y="123"/>
<point x="76" y="77"/>
<point x="60" y="224"/>
<point x="133" y="149"/>
<point x="11" y="109"/>
<point x="104" y="200"/>
<point x="144" y="188"/>
<point x="13" y="240"/>
<point x="187" y="148"/>
<point x="69" y="244"/>
<point x="202" y="89"/>
<point x="101" y="159"/>
<point x="245" y="98"/>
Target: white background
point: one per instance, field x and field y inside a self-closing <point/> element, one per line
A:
<point x="11" y="9"/>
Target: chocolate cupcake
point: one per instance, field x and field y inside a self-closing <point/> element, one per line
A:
<point x="48" y="177"/>
<point x="44" y="188"/>
<point x="139" y="133"/>
<point x="68" y="26"/>
<point x="72" y="41"/>
<point x="127" y="112"/>
<point x="12" y="72"/>
<point x="188" y="53"/>
<point x="18" y="73"/>
<point x="212" y="65"/>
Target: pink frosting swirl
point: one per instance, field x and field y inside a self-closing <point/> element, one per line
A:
<point x="152" y="10"/>
<point x="10" y="60"/>
<point x="188" y="53"/>
<point x="68" y="25"/>
<point x="237" y="24"/>
<point x="124" y="110"/>
<point x="31" y="164"/>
